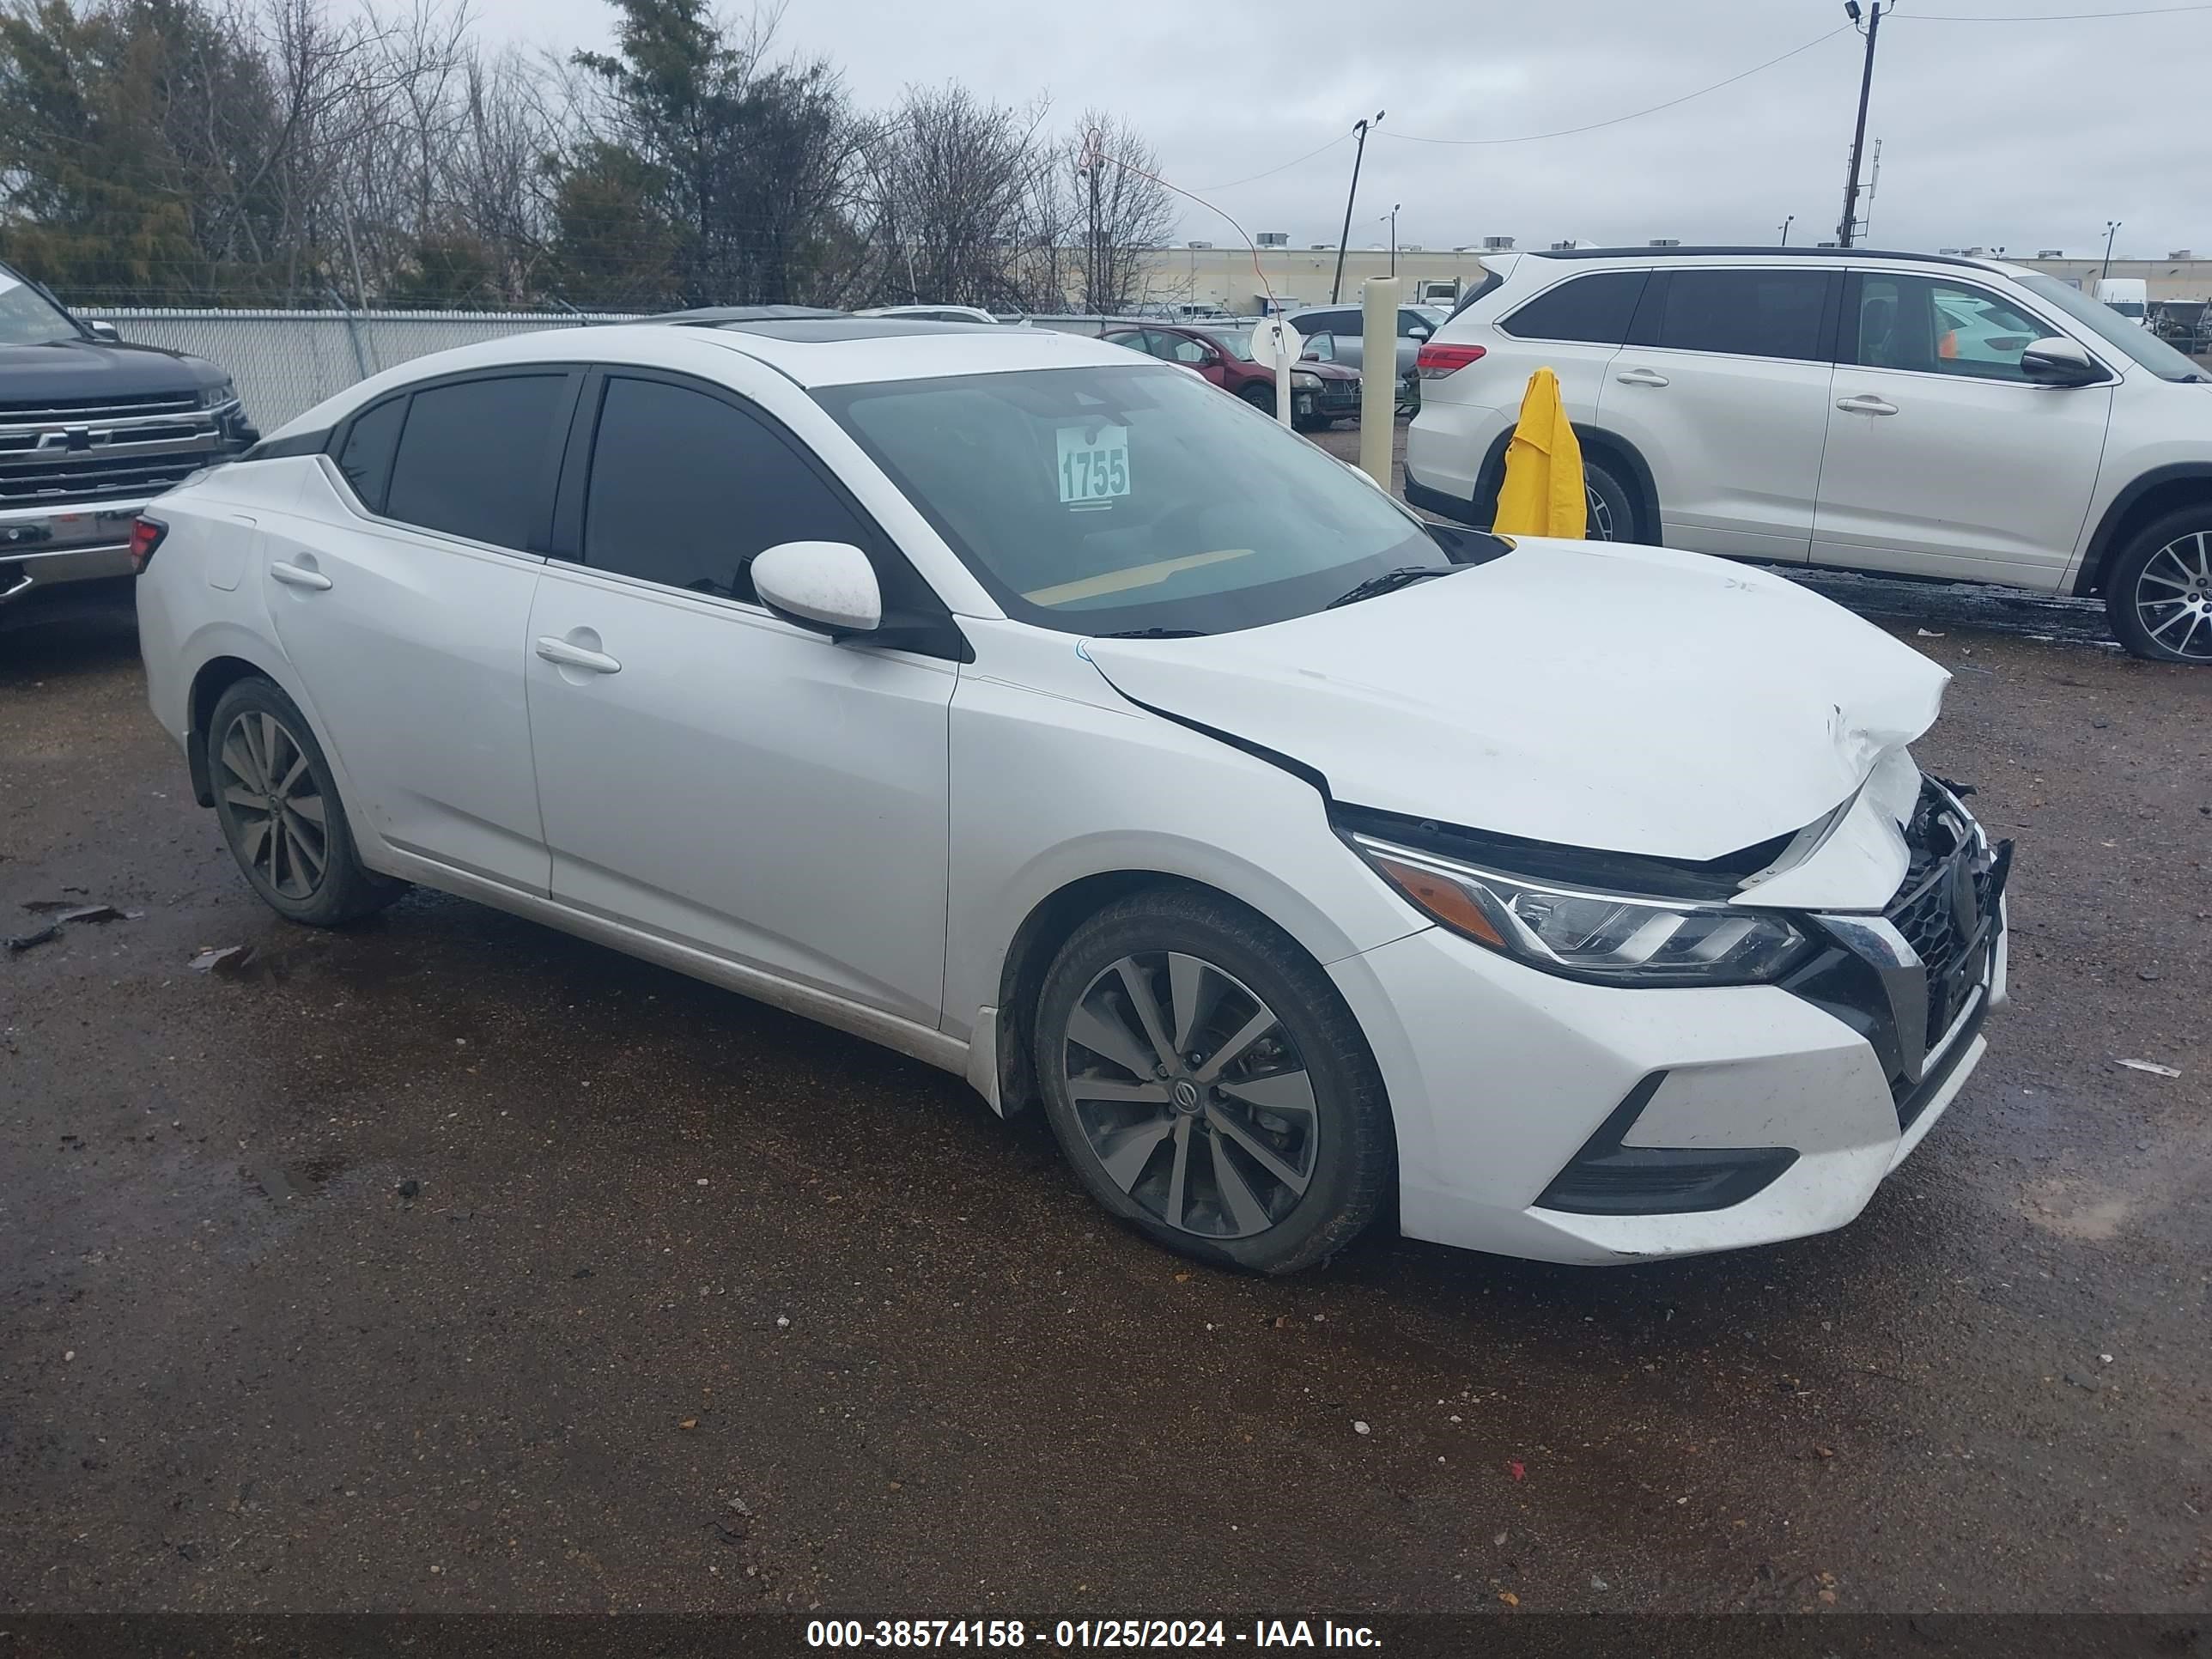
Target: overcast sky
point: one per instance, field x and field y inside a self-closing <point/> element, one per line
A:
<point x="2007" y="134"/>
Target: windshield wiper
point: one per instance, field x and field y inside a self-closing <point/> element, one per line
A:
<point x="1388" y="581"/>
<point x="1154" y="634"/>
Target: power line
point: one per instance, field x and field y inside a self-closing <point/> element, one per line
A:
<point x="1634" y="115"/>
<point x="1285" y="168"/>
<point x="2048" y="17"/>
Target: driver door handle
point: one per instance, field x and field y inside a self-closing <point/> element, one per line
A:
<point x="298" y="575"/>
<point x="575" y="656"/>
<point x="1866" y="403"/>
<point x="1642" y="377"/>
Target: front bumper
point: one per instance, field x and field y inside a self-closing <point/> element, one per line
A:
<point x="1544" y="1117"/>
<point x="45" y="547"/>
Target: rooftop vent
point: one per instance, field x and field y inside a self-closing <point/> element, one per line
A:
<point x="1275" y="239"/>
<point x="1496" y="243"/>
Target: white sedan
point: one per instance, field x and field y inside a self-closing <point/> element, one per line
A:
<point x="1029" y="707"/>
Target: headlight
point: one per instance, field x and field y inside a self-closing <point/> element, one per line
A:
<point x="1305" y="382"/>
<point x="223" y="391"/>
<point x="1614" y="938"/>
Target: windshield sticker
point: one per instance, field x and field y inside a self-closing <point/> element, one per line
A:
<point x="1094" y="465"/>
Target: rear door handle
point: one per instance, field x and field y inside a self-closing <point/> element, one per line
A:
<point x="1866" y="403"/>
<point x="1642" y="377"/>
<point x="298" y="575"/>
<point x="576" y="656"/>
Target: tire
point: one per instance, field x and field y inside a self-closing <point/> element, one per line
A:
<point x="1612" y="505"/>
<point x="1280" y="1130"/>
<point x="1260" y="396"/>
<point x="2158" y="592"/>
<point x="261" y="751"/>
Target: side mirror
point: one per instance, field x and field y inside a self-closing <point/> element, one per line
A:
<point x="829" y="586"/>
<point x="2059" y="362"/>
<point x="106" y="333"/>
<point x="1418" y="331"/>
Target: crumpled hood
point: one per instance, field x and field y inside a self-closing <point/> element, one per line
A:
<point x="1631" y="699"/>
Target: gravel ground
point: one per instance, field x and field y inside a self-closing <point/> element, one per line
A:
<point x="448" y="1263"/>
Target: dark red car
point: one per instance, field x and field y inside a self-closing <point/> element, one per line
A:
<point x="1320" y="393"/>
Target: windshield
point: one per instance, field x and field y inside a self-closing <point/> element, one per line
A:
<point x="1111" y="500"/>
<point x="1236" y="342"/>
<point x="26" y="318"/>
<point x="2114" y="330"/>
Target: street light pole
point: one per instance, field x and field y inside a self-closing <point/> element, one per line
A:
<point x="1788" y="221"/>
<point x="1357" y="155"/>
<point x="1858" y="134"/>
<point x="1394" y="206"/>
<point x="2112" y="229"/>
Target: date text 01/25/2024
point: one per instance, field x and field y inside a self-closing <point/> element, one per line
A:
<point x="1002" y="1633"/>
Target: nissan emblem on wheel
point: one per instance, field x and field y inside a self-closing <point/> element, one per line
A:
<point x="1016" y="701"/>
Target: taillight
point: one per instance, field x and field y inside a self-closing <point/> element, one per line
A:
<point x="1436" y="360"/>
<point x="145" y="536"/>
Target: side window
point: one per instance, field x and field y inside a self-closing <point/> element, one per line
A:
<point x="365" y="458"/>
<point x="685" y="488"/>
<point x="1593" y="309"/>
<point x="1940" y="328"/>
<point x="1412" y="326"/>
<point x="1747" y="313"/>
<point x="1182" y="348"/>
<point x="471" y="458"/>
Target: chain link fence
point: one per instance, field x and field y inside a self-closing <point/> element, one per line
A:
<point x="285" y="362"/>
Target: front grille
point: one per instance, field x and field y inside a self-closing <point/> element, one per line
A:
<point x="64" y="477"/>
<point x="1919" y="1013"/>
<point x="1949" y="886"/>
<point x="77" y="411"/>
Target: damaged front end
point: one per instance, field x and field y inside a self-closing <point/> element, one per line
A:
<point x="1888" y="912"/>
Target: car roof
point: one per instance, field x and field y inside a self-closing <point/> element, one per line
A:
<point x="1663" y="254"/>
<point x="811" y="351"/>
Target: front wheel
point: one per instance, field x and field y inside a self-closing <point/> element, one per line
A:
<point x="1261" y="396"/>
<point x="1209" y="1085"/>
<point x="2159" y="594"/>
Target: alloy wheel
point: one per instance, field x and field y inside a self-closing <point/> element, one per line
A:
<point x="282" y="824"/>
<point x="1191" y="1095"/>
<point x="1600" y="518"/>
<point x="2173" y="597"/>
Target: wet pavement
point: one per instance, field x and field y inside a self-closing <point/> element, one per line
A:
<point x="450" y="1263"/>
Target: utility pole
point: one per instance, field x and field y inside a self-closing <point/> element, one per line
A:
<point x="1858" y="134"/>
<point x="1090" y="276"/>
<point x="1788" y="220"/>
<point x="2112" y="230"/>
<point x="1336" y="287"/>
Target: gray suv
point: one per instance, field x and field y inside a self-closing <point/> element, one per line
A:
<point x="1347" y="327"/>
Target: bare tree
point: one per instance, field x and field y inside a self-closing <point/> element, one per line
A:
<point x="1121" y="207"/>
<point x="950" y="182"/>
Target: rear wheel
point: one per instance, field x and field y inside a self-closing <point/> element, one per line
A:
<point x="2159" y="594"/>
<point x="1612" y="508"/>
<point x="1209" y="1085"/>
<point x="279" y="809"/>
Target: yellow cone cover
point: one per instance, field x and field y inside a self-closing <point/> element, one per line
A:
<point x="1542" y="495"/>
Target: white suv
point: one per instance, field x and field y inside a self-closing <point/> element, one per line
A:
<point x="1934" y="417"/>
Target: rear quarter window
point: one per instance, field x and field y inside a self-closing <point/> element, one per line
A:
<point x="1593" y="310"/>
